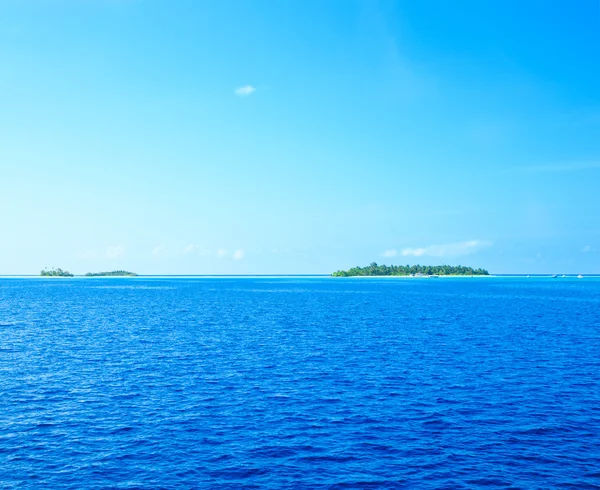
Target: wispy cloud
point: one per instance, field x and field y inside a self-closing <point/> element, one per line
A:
<point x="238" y="254"/>
<point x="245" y="90"/>
<point x="401" y="79"/>
<point x="285" y="250"/>
<point x="188" y="249"/>
<point x="115" y="252"/>
<point x="159" y="251"/>
<point x="588" y="248"/>
<point x="560" y="167"/>
<point x="447" y="250"/>
<point x="390" y="253"/>
<point x="221" y="253"/>
<point x="87" y="254"/>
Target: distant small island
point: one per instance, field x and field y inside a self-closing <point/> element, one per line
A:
<point x="111" y="274"/>
<point x="411" y="270"/>
<point x="55" y="273"/>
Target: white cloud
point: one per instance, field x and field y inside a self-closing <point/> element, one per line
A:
<point x="415" y="252"/>
<point x="238" y="254"/>
<point x="390" y="253"/>
<point x="115" y="252"/>
<point x="158" y="251"/>
<point x="188" y="249"/>
<point x="447" y="250"/>
<point x="221" y="253"/>
<point x="588" y="248"/>
<point x="245" y="90"/>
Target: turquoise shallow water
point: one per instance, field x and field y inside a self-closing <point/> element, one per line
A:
<point x="300" y="383"/>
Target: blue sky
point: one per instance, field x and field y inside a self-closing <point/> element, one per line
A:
<point x="299" y="137"/>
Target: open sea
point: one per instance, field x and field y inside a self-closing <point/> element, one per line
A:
<point x="300" y="383"/>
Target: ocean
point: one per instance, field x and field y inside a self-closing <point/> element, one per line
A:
<point x="300" y="383"/>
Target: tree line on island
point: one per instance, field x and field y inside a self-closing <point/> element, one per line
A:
<point x="111" y="273"/>
<point x="374" y="269"/>
<point x="58" y="272"/>
<point x="55" y="273"/>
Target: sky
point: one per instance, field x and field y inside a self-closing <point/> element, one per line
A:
<point x="236" y="137"/>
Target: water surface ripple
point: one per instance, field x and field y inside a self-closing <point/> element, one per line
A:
<point x="300" y="383"/>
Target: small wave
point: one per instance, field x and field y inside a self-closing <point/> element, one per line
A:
<point x="238" y="473"/>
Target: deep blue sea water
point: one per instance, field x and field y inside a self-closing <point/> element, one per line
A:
<point x="300" y="383"/>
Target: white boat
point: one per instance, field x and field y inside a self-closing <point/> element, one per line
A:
<point x="579" y="276"/>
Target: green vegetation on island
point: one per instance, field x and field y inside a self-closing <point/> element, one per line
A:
<point x="111" y="274"/>
<point x="55" y="273"/>
<point x="411" y="270"/>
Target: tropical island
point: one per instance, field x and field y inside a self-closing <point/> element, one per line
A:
<point x="111" y="274"/>
<point x="55" y="273"/>
<point x="411" y="270"/>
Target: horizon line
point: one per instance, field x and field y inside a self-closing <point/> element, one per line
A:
<point x="538" y="274"/>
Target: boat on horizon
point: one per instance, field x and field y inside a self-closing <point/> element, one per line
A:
<point x="579" y="276"/>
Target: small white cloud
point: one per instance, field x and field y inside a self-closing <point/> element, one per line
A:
<point x="447" y="250"/>
<point x="245" y="90"/>
<point x="414" y="252"/>
<point x="115" y="252"/>
<point x="390" y="253"/>
<point x="588" y="248"/>
<point x="159" y="251"/>
<point x="221" y="253"/>
<point x="188" y="249"/>
<point x="238" y="254"/>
